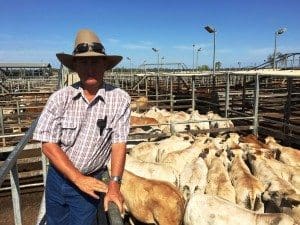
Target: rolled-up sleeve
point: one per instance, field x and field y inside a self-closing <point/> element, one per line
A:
<point x="48" y="128"/>
<point x="122" y="124"/>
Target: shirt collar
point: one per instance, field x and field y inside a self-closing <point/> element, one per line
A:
<point x="78" y="91"/>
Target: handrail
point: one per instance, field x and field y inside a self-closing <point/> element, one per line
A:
<point x="13" y="156"/>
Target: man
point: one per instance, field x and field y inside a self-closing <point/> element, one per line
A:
<point x="82" y="127"/>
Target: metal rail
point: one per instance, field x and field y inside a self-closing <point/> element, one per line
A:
<point x="10" y="166"/>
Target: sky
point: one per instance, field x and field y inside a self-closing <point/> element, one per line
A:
<point x="35" y="30"/>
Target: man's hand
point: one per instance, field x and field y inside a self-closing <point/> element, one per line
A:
<point x="90" y="185"/>
<point x="114" y="195"/>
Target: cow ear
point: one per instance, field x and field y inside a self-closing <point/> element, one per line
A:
<point x="251" y="157"/>
<point x="277" y="154"/>
<point x="230" y="154"/>
<point x="186" y="192"/>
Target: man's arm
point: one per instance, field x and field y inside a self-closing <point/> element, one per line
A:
<point x="118" y="157"/>
<point x="59" y="159"/>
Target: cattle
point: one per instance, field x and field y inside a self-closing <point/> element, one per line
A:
<point x="179" y="121"/>
<point x="253" y="141"/>
<point x="151" y="170"/>
<point x="172" y="144"/>
<point x="147" y="124"/>
<point x="178" y="159"/>
<point x="288" y="155"/>
<point x="205" y="209"/>
<point x="286" y="172"/>
<point x="218" y="181"/>
<point x="139" y="121"/>
<point x="248" y="188"/>
<point x="293" y="212"/>
<point x="152" y="201"/>
<point x="140" y="103"/>
<point x="146" y="151"/>
<point x="156" y="151"/>
<point x="193" y="177"/>
<point x="195" y="116"/>
<point x="276" y="188"/>
<point x="219" y="124"/>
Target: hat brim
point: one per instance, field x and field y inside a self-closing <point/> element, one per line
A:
<point x="68" y="60"/>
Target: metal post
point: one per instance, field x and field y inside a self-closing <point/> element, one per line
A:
<point x="18" y="113"/>
<point x="227" y="95"/>
<point x="171" y="94"/>
<point x="277" y="33"/>
<point x="146" y="86"/>
<point x="274" y="55"/>
<point x="287" y="111"/>
<point x="193" y="93"/>
<point x="15" y="192"/>
<point x="214" y="63"/>
<point x="157" y="80"/>
<point x="256" y="104"/>
<point x="244" y="93"/>
<point x="28" y="86"/>
<point x="197" y="65"/>
<point x="193" y="57"/>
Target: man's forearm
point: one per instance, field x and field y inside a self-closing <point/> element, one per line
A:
<point x="60" y="160"/>
<point x="118" y="156"/>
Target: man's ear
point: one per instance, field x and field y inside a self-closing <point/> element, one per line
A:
<point x="105" y="64"/>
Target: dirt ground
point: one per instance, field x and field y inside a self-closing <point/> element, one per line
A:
<point x="30" y="204"/>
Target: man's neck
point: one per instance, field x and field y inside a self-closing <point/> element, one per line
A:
<point x="90" y="91"/>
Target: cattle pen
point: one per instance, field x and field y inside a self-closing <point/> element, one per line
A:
<point x="255" y="101"/>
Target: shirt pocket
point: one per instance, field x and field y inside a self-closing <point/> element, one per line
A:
<point x="105" y="138"/>
<point x="69" y="132"/>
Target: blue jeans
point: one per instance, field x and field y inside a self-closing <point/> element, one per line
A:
<point x="67" y="205"/>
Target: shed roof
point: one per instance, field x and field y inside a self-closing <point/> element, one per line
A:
<point x="25" y="65"/>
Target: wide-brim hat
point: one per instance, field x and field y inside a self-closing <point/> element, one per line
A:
<point x="88" y="39"/>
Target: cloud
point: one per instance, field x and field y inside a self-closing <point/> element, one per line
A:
<point x="27" y="55"/>
<point x="146" y="43"/>
<point x="224" y="50"/>
<point x="190" y="47"/>
<point x="6" y="36"/>
<point x="183" y="47"/>
<point x="135" y="46"/>
<point x="113" y="40"/>
<point x="261" y="51"/>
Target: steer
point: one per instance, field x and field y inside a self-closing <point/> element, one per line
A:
<point x="205" y="209"/>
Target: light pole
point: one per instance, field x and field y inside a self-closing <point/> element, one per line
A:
<point x="193" y="57"/>
<point x="156" y="85"/>
<point x="277" y="33"/>
<point x="130" y="66"/>
<point x="161" y="62"/>
<point x="198" y="50"/>
<point x="157" y="51"/>
<point x="212" y="30"/>
<point x="239" y="63"/>
<point x="145" y="66"/>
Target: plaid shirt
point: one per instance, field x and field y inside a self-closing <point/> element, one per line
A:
<point x="71" y="121"/>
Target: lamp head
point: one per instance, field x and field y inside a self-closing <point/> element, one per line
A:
<point x="280" y="31"/>
<point x="210" y="29"/>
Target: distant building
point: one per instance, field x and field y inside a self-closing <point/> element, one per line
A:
<point x="25" y="70"/>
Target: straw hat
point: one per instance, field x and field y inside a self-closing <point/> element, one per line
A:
<point x="87" y="44"/>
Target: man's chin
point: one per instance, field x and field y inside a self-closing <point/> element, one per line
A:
<point x="91" y="81"/>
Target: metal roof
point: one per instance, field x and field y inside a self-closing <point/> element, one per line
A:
<point x="25" y="65"/>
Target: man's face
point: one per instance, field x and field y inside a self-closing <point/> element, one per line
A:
<point x="90" y="70"/>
